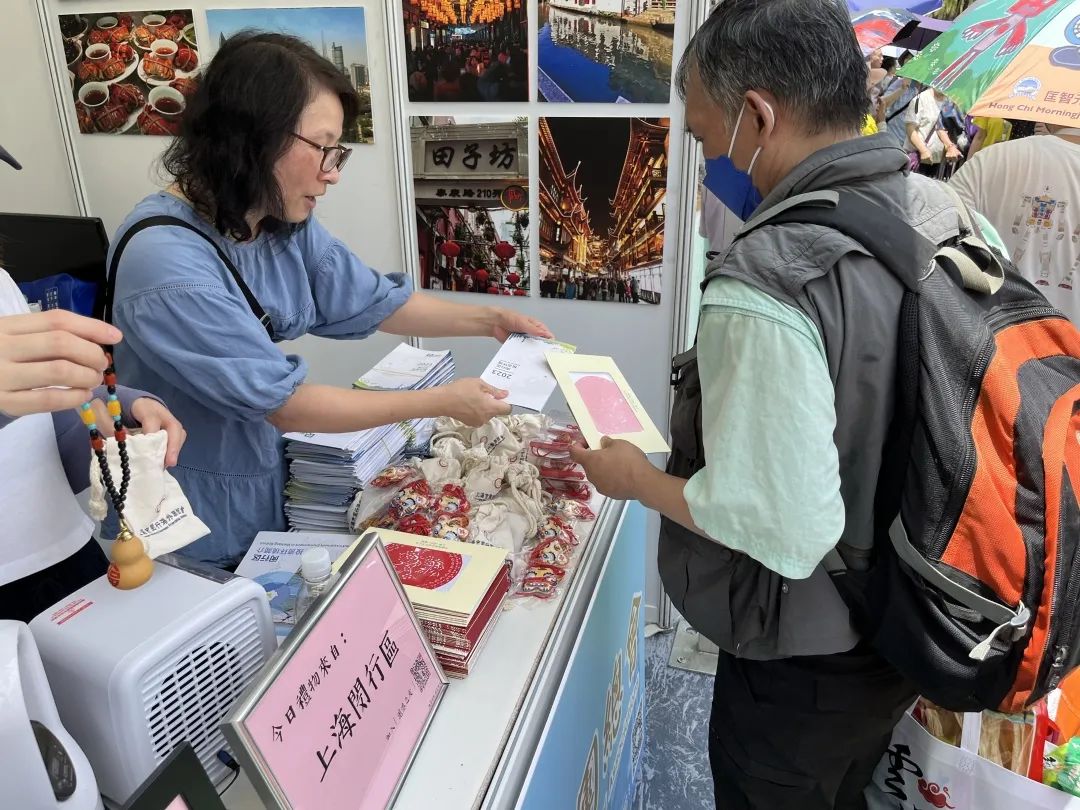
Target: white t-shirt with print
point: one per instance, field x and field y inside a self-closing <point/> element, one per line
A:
<point x="43" y="523"/>
<point x="1030" y="191"/>
<point x="924" y="111"/>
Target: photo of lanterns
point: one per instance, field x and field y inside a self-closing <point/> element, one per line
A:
<point x="467" y="50"/>
<point x="470" y="180"/>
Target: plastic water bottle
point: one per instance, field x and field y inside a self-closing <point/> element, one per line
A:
<point x="318" y="578"/>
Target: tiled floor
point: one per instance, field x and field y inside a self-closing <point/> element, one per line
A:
<point x="676" y="767"/>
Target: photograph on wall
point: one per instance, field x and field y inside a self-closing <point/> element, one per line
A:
<point x="131" y="72"/>
<point x="614" y="51"/>
<point x="603" y="190"/>
<point x="339" y="34"/>
<point x="471" y="184"/>
<point x="467" y="50"/>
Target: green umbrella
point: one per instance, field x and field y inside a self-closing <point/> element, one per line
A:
<point x="1009" y="59"/>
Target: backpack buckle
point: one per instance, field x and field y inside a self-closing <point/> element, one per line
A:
<point x="1016" y="628"/>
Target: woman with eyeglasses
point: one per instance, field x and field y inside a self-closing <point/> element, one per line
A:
<point x="241" y="263"/>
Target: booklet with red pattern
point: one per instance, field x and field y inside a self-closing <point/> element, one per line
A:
<point x="446" y="581"/>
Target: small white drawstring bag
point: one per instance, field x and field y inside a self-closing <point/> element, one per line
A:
<point x="156" y="508"/>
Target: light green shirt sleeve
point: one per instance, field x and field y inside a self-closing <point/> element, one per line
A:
<point x="771" y="484"/>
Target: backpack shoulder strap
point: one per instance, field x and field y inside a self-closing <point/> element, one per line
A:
<point x="906" y="254"/>
<point x="150" y="222"/>
<point x="903" y="251"/>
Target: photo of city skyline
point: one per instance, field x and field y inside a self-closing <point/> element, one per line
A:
<point x="338" y="33"/>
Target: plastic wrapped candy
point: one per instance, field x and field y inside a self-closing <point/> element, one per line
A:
<point x="1062" y="767"/>
<point x="554" y="552"/>
<point x="415" y="524"/>
<point x="452" y="500"/>
<point x="413" y="498"/>
<point x="393" y="476"/>
<point x="568" y="507"/>
<point x="451" y="527"/>
<point x="555" y="528"/>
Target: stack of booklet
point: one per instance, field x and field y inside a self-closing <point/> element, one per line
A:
<point x="456" y="589"/>
<point x="326" y="470"/>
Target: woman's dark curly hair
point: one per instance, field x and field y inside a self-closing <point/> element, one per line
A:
<point x="241" y="119"/>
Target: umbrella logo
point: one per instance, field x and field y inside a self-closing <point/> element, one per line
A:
<point x="1068" y="56"/>
<point x="1028" y="88"/>
<point x="1072" y="32"/>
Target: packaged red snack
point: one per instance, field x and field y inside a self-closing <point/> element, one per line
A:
<point x="554" y="552"/>
<point x="392" y="476"/>
<point x="450" y="526"/>
<point x="415" y="524"/>
<point x="452" y="500"/>
<point x="413" y="498"/>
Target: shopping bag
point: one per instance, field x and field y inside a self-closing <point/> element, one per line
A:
<point x="920" y="772"/>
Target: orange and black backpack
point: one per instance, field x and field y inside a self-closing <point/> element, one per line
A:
<point x="974" y="588"/>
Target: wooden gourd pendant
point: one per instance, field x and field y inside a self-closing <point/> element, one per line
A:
<point x="130" y="566"/>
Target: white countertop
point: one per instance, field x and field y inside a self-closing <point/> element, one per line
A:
<point x="472" y="726"/>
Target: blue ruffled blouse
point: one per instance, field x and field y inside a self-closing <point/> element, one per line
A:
<point x="191" y="339"/>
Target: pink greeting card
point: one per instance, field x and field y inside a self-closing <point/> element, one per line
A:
<point x="603" y="403"/>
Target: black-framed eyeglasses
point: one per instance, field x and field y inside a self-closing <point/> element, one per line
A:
<point x="333" y="157"/>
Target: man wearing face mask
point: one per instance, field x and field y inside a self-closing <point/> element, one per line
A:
<point x="783" y="412"/>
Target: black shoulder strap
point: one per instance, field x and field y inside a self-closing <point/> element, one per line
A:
<point x="150" y="222"/>
<point x="904" y="251"/>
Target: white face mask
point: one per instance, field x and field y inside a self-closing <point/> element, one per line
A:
<point x="731" y="185"/>
<point x="735" y="134"/>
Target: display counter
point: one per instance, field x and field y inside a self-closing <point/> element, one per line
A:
<point x="497" y="731"/>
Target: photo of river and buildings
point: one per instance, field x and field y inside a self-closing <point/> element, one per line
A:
<point x="606" y="51"/>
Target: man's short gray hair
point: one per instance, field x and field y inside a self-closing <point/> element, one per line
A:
<point x="804" y="52"/>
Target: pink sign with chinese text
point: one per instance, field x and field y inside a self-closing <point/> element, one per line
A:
<point x="338" y="726"/>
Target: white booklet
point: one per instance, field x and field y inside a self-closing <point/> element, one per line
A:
<point x="406" y="367"/>
<point x="521" y="367"/>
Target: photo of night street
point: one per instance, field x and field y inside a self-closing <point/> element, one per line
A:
<point x="603" y="185"/>
<point x="467" y="50"/>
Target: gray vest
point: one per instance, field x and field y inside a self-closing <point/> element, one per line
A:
<point x="736" y="602"/>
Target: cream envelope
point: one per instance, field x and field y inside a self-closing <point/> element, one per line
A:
<point x="603" y="403"/>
